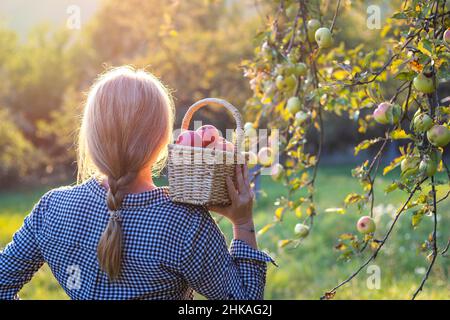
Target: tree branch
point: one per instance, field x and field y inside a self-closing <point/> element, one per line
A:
<point x="335" y="16"/>
<point x="434" y="242"/>
<point x="332" y="292"/>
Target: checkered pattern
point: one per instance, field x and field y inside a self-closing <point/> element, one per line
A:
<point x="169" y="249"/>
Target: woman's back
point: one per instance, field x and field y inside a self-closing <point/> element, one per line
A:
<point x="168" y="249"/>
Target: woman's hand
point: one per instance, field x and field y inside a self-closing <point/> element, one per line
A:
<point x="240" y="212"/>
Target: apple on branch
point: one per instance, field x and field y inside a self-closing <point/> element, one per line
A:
<point x="424" y="83"/>
<point x="410" y="165"/>
<point x="324" y="38"/>
<point x="366" y="225"/>
<point x="293" y="105"/>
<point x="429" y="164"/>
<point x="277" y="171"/>
<point x="446" y="36"/>
<point x="387" y="113"/>
<point x="266" y="156"/>
<point x="249" y="129"/>
<point x="422" y="122"/>
<point x="301" y="230"/>
<point x="312" y="27"/>
<point x="439" y="135"/>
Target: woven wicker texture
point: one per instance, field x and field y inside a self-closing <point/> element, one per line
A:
<point x="197" y="175"/>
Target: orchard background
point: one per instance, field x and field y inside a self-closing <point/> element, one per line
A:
<point x="340" y="160"/>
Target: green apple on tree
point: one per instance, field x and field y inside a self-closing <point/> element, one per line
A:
<point x="366" y="225"/>
<point x="266" y="156"/>
<point x="279" y="82"/>
<point x="421" y="122"/>
<point x="301" y="117"/>
<point x="428" y="166"/>
<point x="387" y="113"/>
<point x="439" y="135"/>
<point x="312" y="27"/>
<point x="424" y="83"/>
<point x="301" y="230"/>
<point x="301" y="69"/>
<point x="290" y="82"/>
<point x="324" y="38"/>
<point x="410" y="165"/>
<point x="446" y="36"/>
<point x="293" y="105"/>
<point x="276" y="172"/>
<point x="249" y="129"/>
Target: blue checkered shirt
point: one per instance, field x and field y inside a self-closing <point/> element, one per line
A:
<point x="170" y="249"/>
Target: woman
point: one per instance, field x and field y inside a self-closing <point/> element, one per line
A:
<point x="118" y="236"/>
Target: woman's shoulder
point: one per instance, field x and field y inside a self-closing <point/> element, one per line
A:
<point x="185" y="210"/>
<point x="67" y="192"/>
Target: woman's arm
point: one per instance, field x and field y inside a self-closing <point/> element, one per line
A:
<point x="240" y="212"/>
<point x="209" y="267"/>
<point x="21" y="258"/>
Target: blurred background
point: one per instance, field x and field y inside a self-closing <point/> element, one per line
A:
<point x="48" y="62"/>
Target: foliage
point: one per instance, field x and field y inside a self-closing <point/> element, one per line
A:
<point x="14" y="145"/>
<point x="347" y="82"/>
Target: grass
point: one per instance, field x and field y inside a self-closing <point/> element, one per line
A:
<point x="307" y="271"/>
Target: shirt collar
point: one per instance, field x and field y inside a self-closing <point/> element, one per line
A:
<point x="152" y="197"/>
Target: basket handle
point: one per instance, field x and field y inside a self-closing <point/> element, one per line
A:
<point x="217" y="102"/>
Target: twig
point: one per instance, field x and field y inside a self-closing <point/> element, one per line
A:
<point x="444" y="251"/>
<point x="335" y="16"/>
<point x="294" y="27"/>
<point x="387" y="64"/>
<point x="444" y="197"/>
<point x="434" y="242"/>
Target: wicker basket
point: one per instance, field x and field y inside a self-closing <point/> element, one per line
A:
<point x="197" y="175"/>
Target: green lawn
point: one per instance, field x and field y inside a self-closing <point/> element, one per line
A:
<point x="310" y="269"/>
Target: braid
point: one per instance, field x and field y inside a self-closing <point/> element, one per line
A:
<point x="109" y="249"/>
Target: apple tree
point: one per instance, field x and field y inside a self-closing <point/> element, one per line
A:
<point x="299" y="74"/>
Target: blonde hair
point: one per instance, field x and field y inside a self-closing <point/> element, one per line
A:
<point x="126" y="127"/>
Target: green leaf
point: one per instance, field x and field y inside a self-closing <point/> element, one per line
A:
<point x="399" y="134"/>
<point x="266" y="228"/>
<point x="405" y="75"/>
<point x="365" y="144"/>
<point x="336" y="210"/>
<point x="391" y="187"/>
<point x="393" y="164"/>
<point x="279" y="213"/>
<point x="353" y="198"/>
<point x="284" y="243"/>
<point x="416" y="218"/>
<point x="399" y="15"/>
<point x="426" y="47"/>
<point x="346" y="236"/>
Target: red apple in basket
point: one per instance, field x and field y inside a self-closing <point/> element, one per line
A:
<point x="189" y="138"/>
<point x="209" y="134"/>
<point x="222" y="145"/>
